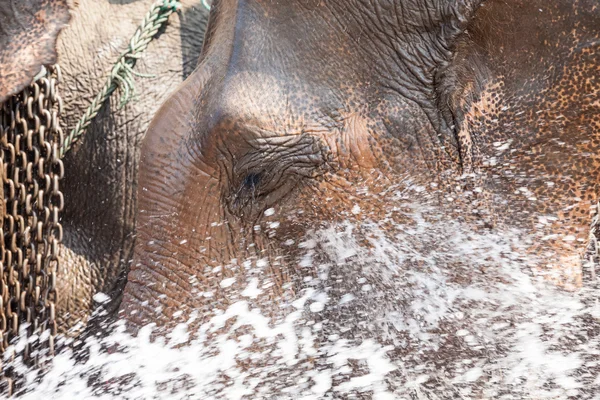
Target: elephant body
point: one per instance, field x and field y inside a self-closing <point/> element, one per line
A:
<point x="99" y="190"/>
<point x="473" y="107"/>
<point x="100" y="185"/>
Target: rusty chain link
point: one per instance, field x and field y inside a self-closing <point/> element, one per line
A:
<point x="31" y="170"/>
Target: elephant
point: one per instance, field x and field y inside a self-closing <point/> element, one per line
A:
<point x="369" y="180"/>
<point x="85" y="37"/>
<point x="308" y="125"/>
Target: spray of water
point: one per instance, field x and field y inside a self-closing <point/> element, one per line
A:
<point x="433" y="311"/>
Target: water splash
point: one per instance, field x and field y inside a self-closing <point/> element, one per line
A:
<point x="432" y="311"/>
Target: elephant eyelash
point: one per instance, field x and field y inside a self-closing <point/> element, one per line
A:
<point x="250" y="187"/>
<point x="248" y="191"/>
<point x="252" y="180"/>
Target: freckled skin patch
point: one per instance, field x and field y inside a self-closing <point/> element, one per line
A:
<point x="331" y="113"/>
<point x="536" y="138"/>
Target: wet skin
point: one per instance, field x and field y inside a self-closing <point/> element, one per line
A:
<point x="486" y="113"/>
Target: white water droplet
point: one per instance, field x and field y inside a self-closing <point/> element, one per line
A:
<point x="274" y="225"/>
<point x="348" y="297"/>
<point x="252" y="289"/>
<point x="225" y="283"/>
<point x="101" y="298"/>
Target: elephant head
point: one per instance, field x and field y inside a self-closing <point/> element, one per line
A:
<point x="309" y="114"/>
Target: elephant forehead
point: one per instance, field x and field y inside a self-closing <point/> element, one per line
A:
<point x="269" y="105"/>
<point x="251" y="94"/>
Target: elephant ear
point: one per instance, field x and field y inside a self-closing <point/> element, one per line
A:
<point x="28" y="33"/>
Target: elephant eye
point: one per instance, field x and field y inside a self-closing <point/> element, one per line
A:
<point x="250" y="190"/>
<point x="252" y="180"/>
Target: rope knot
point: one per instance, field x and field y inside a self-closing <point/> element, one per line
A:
<point x="171" y="5"/>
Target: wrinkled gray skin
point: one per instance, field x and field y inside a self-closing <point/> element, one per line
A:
<point x="100" y="182"/>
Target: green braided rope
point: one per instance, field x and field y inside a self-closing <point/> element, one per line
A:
<point x="121" y="75"/>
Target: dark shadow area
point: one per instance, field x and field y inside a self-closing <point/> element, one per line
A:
<point x="193" y="24"/>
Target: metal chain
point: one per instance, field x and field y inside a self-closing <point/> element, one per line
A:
<point x="121" y="75"/>
<point x="31" y="170"/>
